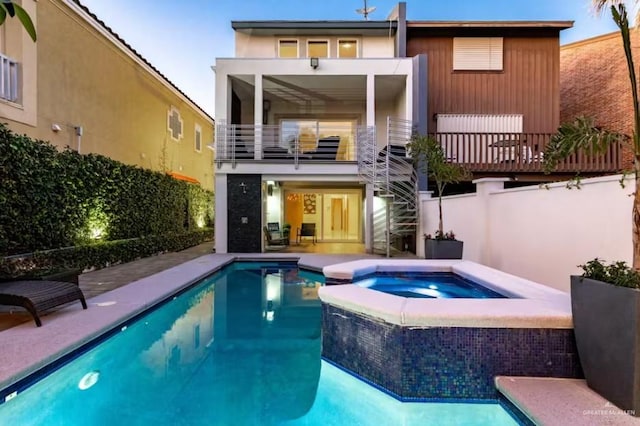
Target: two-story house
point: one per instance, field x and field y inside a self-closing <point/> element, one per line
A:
<point x="82" y="86"/>
<point x="301" y="113"/>
<point x="308" y="110"/>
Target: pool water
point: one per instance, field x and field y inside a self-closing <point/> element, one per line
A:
<point x="429" y="285"/>
<point x="241" y="348"/>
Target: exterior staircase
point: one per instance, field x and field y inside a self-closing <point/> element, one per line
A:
<point x="394" y="180"/>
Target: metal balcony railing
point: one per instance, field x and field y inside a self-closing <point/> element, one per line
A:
<point x="246" y="143"/>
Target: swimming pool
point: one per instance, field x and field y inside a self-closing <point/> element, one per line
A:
<point x="242" y="347"/>
<point x="428" y="285"/>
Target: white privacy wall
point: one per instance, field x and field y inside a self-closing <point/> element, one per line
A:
<point x="537" y="233"/>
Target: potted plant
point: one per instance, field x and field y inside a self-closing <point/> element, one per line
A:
<point x="427" y="154"/>
<point x="605" y="299"/>
<point x="286" y="232"/>
<point x="442" y="246"/>
<point x="605" y="302"/>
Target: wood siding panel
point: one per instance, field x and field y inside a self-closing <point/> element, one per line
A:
<point x="528" y="84"/>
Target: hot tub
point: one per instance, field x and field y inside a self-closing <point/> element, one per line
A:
<point x="434" y="348"/>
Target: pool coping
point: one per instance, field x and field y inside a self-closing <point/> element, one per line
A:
<point x="537" y="305"/>
<point x="27" y="349"/>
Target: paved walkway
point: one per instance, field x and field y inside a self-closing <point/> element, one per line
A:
<point x="107" y="279"/>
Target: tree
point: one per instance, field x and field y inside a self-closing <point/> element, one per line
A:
<point x="14" y="10"/>
<point x="584" y="135"/>
<point x="427" y="153"/>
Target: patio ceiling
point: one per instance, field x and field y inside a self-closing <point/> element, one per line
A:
<point x="302" y="89"/>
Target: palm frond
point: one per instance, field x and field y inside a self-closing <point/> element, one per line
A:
<point x="576" y="136"/>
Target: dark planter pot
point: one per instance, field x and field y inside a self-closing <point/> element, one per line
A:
<point x="605" y="321"/>
<point x="286" y="233"/>
<point x="442" y="249"/>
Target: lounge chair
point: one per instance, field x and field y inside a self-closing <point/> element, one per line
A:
<point x="327" y="149"/>
<point x="276" y="153"/>
<point x="275" y="241"/>
<point x="306" y="230"/>
<point x="38" y="295"/>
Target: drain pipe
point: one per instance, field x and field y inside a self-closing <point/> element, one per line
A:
<point x="79" y="132"/>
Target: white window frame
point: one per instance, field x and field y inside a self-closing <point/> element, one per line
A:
<point x="9" y="79"/>
<point x="318" y="40"/>
<point x="169" y="129"/>
<point x="478" y="53"/>
<point x="289" y="39"/>
<point x="197" y="132"/>
<point x="350" y="40"/>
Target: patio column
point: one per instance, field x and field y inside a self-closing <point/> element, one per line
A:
<point x="257" y="116"/>
<point x="368" y="218"/>
<point x="371" y="100"/>
<point x="221" y="213"/>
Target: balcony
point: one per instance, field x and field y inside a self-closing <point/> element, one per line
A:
<point x="521" y="153"/>
<point x="481" y="153"/>
<point x="292" y="143"/>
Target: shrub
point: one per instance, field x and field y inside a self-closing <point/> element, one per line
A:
<point x="98" y="255"/>
<point x="616" y="273"/>
<point x="53" y="199"/>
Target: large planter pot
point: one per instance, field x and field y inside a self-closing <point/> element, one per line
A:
<point x="442" y="249"/>
<point x="605" y="321"/>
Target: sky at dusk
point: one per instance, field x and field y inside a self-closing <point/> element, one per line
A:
<point x="183" y="38"/>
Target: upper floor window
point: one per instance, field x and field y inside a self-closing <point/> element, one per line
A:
<point x="347" y="49"/>
<point x="198" y="138"/>
<point x="288" y="48"/>
<point x="477" y="53"/>
<point x="174" y="123"/>
<point x="8" y="79"/>
<point x="318" y="49"/>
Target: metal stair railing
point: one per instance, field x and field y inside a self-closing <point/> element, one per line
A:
<point x="395" y="181"/>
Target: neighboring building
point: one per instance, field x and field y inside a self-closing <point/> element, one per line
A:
<point x="488" y="90"/>
<point x="493" y="94"/>
<point x="594" y="82"/>
<point x="80" y="85"/>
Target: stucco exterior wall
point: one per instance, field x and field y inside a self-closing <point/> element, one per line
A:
<point x="594" y="82"/>
<point x="86" y="80"/>
<point x="16" y="45"/>
<point x="254" y="46"/>
<point x="537" y="233"/>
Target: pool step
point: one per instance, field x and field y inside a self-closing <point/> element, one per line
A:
<point x="554" y="401"/>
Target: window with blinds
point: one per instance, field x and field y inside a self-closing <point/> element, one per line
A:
<point x="477" y="53"/>
<point x="288" y="48"/>
<point x="198" y="138"/>
<point x="318" y="49"/>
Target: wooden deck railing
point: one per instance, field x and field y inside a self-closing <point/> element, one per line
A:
<point x="519" y="153"/>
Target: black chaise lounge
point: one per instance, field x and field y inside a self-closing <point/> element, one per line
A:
<point x="38" y="296"/>
<point x="327" y="149"/>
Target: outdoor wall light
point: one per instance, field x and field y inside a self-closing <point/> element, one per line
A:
<point x="314" y="63"/>
<point x="244" y="187"/>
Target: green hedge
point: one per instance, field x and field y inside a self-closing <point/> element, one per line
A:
<point x="98" y="255"/>
<point x="51" y="199"/>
